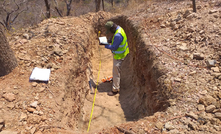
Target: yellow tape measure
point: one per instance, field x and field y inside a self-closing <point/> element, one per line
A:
<point x="92" y="110"/>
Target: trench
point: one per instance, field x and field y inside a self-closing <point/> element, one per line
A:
<point x="142" y="91"/>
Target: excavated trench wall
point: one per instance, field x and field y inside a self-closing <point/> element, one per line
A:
<point x="142" y="76"/>
<point x="77" y="86"/>
<point x="148" y="93"/>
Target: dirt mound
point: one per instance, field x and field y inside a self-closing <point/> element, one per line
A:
<point x="63" y="45"/>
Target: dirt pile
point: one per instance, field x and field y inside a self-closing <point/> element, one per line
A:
<point x="63" y="45"/>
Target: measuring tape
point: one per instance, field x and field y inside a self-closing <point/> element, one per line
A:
<point x="92" y="110"/>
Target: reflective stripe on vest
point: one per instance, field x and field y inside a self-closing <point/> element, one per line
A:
<point x="124" y="44"/>
<point x="120" y="52"/>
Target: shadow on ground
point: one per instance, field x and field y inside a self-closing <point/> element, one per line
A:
<point x="126" y="94"/>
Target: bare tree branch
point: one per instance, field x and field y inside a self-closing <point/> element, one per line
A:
<point x="15" y="9"/>
<point x="3" y="5"/>
<point x="58" y="12"/>
<point x="8" y="21"/>
<point x="18" y="14"/>
<point x="42" y="14"/>
<point x="66" y="2"/>
<point x="56" y="8"/>
<point x="68" y="5"/>
<point x="2" y="24"/>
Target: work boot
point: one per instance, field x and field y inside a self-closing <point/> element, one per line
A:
<point x="112" y="93"/>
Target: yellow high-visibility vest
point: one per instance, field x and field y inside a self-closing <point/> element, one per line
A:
<point x="123" y="48"/>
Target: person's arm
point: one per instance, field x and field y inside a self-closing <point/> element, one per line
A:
<point x="118" y="38"/>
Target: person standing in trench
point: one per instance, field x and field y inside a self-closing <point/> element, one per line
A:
<point x="120" y="49"/>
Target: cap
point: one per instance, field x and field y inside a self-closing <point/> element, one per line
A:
<point x="108" y="25"/>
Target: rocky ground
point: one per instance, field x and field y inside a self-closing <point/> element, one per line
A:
<point x="62" y="46"/>
<point x="186" y="43"/>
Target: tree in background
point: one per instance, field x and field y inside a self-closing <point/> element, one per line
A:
<point x="98" y="4"/>
<point x="7" y="59"/>
<point x="194" y="6"/>
<point x="16" y="14"/>
<point x="48" y="12"/>
<point x="68" y="6"/>
<point x="12" y="13"/>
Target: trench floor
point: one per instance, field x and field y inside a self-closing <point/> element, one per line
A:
<point x="107" y="109"/>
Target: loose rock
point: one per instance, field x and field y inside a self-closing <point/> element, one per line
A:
<point x="198" y="56"/>
<point x="169" y="126"/>
<point x="58" y="51"/>
<point x="216" y="75"/>
<point x="41" y="89"/>
<point x="210" y="108"/>
<point x="207" y="100"/>
<point x="187" y="12"/>
<point x="163" y="26"/>
<point x="26" y="36"/>
<point x="29" y="109"/>
<point x="34" y="104"/>
<point x="192" y="126"/>
<point x="215" y="69"/>
<point x="23" y="117"/>
<point x="33" y="119"/>
<point x="201" y="107"/>
<point x="218" y="115"/>
<point x="183" y="48"/>
<point x="211" y="63"/>
<point x="33" y="130"/>
<point x="159" y="125"/>
<point x="212" y="11"/>
<point x="11" y="105"/>
<point x="34" y="84"/>
<point x="9" y="97"/>
<point x="192" y="115"/>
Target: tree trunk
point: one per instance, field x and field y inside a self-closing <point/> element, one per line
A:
<point x="194" y="6"/>
<point x="68" y="7"/>
<point x="103" y="4"/>
<point x="7" y="58"/>
<point x="98" y="4"/>
<point x="48" y="12"/>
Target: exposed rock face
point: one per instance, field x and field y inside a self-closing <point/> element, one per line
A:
<point x="7" y="58"/>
